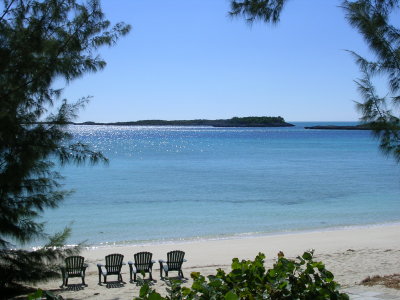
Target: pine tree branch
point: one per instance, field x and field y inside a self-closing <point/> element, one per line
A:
<point x="46" y="68"/>
<point x="6" y="10"/>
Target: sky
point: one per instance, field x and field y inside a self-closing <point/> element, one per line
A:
<point x="191" y="60"/>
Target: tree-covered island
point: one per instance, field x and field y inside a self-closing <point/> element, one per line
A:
<point x="233" y="122"/>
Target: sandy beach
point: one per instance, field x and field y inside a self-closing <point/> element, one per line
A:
<point x="351" y="254"/>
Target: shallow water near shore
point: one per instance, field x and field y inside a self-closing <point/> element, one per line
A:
<point x="183" y="183"/>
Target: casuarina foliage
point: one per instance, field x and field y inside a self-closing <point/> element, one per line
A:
<point x="373" y="19"/>
<point x="42" y="42"/>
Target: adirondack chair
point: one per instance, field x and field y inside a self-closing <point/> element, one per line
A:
<point x="143" y="263"/>
<point x="74" y="267"/>
<point x="174" y="263"/>
<point x="113" y="266"/>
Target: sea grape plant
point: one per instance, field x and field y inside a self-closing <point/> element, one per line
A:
<point x="301" y="278"/>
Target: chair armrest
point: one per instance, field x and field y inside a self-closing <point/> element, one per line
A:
<point x="161" y="261"/>
<point x="123" y="263"/>
<point x="85" y="265"/>
<point x="153" y="261"/>
<point x="130" y="263"/>
<point x="184" y="260"/>
<point x="101" y="271"/>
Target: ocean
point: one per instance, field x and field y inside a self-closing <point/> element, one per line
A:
<point x="168" y="184"/>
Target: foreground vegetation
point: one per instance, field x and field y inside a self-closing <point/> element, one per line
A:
<point x="41" y="41"/>
<point x="302" y="278"/>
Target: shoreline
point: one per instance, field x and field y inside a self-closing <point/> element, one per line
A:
<point x="237" y="236"/>
<point x="350" y="254"/>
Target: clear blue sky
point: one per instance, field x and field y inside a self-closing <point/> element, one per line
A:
<point x="188" y="59"/>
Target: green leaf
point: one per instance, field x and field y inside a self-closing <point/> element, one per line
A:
<point x="195" y="275"/>
<point x="185" y="291"/>
<point x="307" y="256"/>
<point x="36" y="295"/>
<point x="231" y="296"/>
<point x="144" y="290"/>
<point x="328" y="276"/>
<point x="155" y="296"/>
<point x="236" y="264"/>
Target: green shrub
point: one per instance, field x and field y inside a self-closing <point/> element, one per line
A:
<point x="301" y="278"/>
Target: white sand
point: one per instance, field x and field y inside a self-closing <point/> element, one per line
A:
<point x="351" y="254"/>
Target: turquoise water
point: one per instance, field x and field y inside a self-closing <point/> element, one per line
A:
<point x="182" y="183"/>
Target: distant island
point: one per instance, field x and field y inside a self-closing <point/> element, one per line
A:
<point x="337" y="127"/>
<point x="233" y="122"/>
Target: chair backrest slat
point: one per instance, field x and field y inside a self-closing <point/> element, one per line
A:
<point x="175" y="260"/>
<point x="143" y="260"/>
<point x="114" y="263"/>
<point x="74" y="264"/>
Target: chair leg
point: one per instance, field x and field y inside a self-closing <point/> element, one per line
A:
<point x="151" y="276"/>
<point x="66" y="281"/>
<point x="83" y="280"/>
<point x="134" y="277"/>
<point x="130" y="273"/>
<point x="105" y="279"/>
<point x="99" y="275"/>
<point x="63" y="277"/>
<point x="161" y="270"/>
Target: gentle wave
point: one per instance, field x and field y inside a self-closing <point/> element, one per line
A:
<point x="247" y="235"/>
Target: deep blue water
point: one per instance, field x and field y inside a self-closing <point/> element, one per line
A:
<point x="173" y="183"/>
